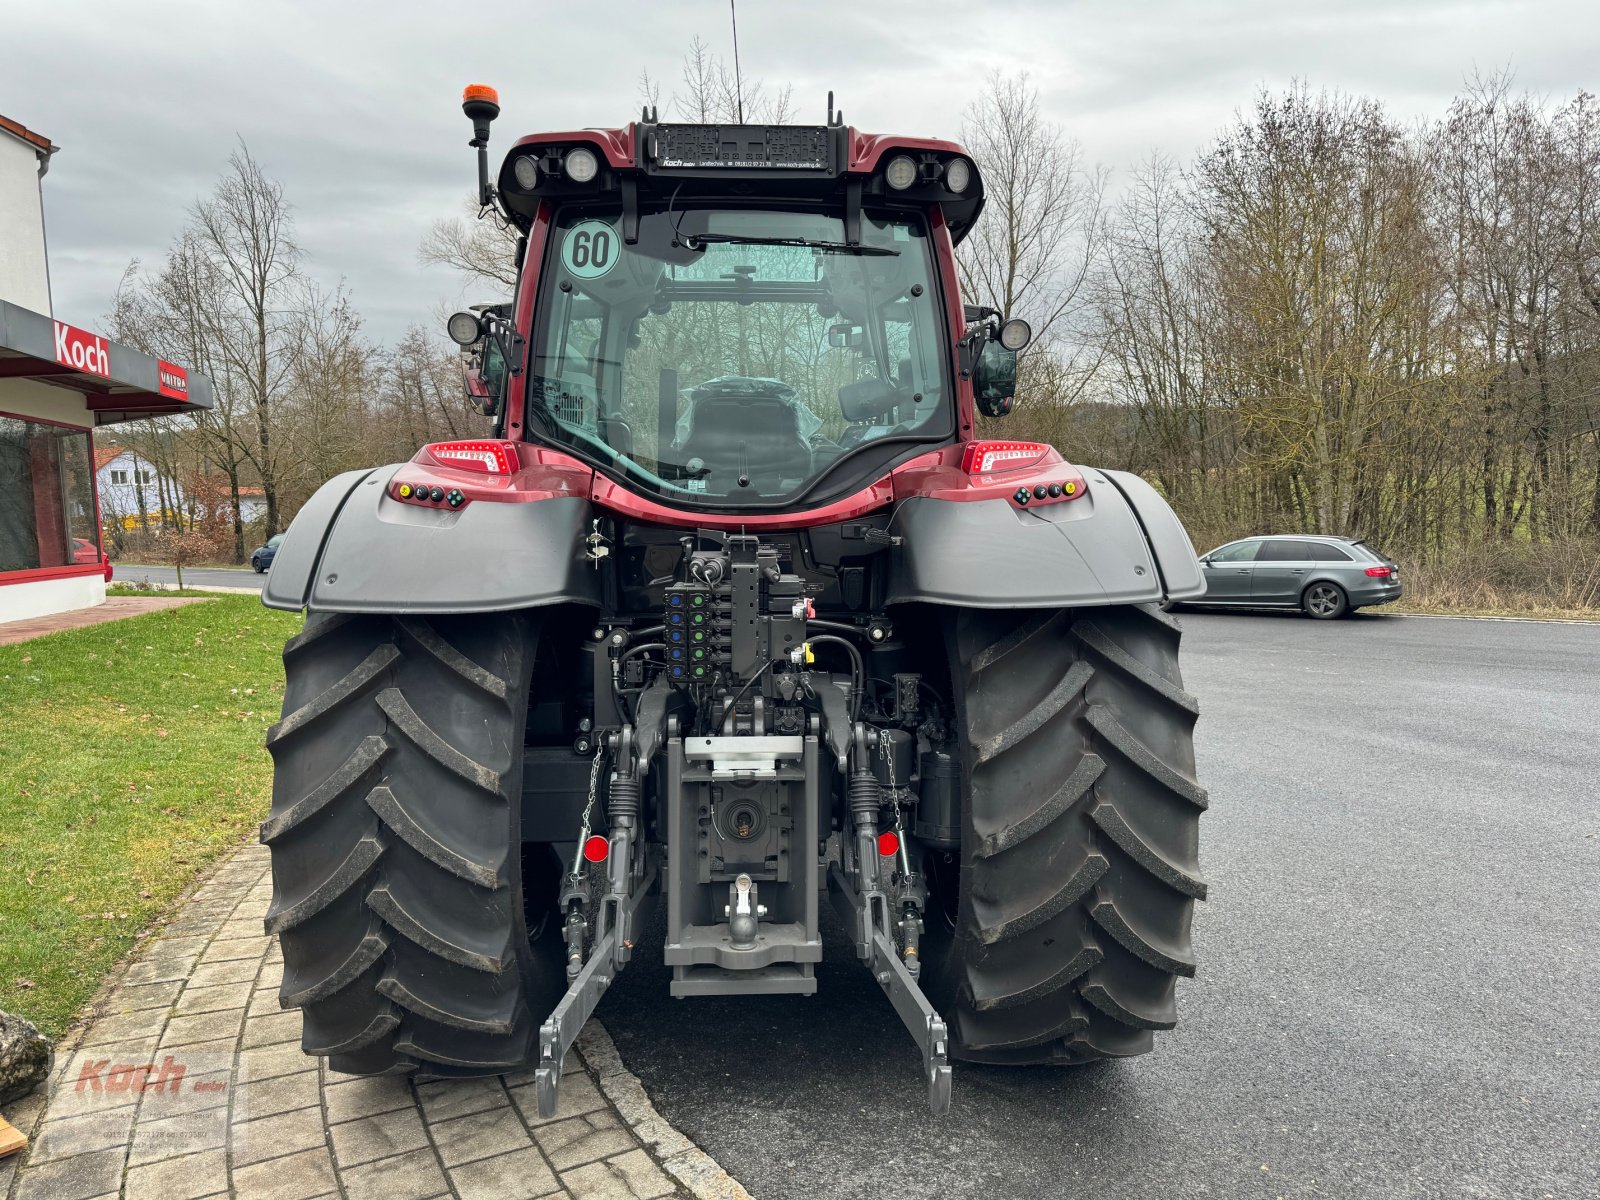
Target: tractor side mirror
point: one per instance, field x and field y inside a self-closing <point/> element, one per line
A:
<point x="994" y="379"/>
<point x="494" y="367"/>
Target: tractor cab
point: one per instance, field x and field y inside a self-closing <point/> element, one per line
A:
<point x="739" y="317"/>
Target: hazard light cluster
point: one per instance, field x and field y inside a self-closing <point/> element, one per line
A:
<point x="423" y="493"/>
<point x="483" y="456"/>
<point x="990" y="458"/>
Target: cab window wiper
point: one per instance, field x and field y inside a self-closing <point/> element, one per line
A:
<point x="698" y="241"/>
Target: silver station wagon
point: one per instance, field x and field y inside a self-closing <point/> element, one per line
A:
<point x="1324" y="577"/>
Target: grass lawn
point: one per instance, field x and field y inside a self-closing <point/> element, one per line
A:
<point x="123" y="589"/>
<point x="130" y="758"/>
<point x="1521" y="614"/>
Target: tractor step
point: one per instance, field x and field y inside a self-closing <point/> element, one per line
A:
<point x="780" y="979"/>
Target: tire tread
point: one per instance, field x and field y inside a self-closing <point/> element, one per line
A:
<point x="1078" y="744"/>
<point x="397" y="759"/>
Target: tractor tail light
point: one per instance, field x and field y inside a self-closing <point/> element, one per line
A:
<point x="490" y="457"/>
<point x="985" y="458"/>
<point x="1379" y="572"/>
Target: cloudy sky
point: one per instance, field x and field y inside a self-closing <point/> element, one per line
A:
<point x="355" y="106"/>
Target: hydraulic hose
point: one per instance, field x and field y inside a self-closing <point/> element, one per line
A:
<point x="858" y="669"/>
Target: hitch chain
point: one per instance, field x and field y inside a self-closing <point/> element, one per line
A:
<point x="910" y="912"/>
<point x="576" y="894"/>
<point x="618" y="909"/>
<point x="857" y="890"/>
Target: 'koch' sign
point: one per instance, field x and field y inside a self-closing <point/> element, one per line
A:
<point x="82" y="351"/>
<point x="174" y="380"/>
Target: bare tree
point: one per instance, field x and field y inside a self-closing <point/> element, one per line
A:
<point x="480" y="246"/>
<point x="324" y="411"/>
<point x="1032" y="253"/>
<point x="244" y="229"/>
<point x="179" y="313"/>
<point x="714" y="93"/>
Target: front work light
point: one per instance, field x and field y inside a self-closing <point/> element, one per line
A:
<point x="1015" y="334"/>
<point x="901" y="172"/>
<point x="958" y="175"/>
<point x="464" y="328"/>
<point x="581" y="164"/>
<point x="526" y="172"/>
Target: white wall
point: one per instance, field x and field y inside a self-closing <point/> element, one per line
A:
<point x="26" y="398"/>
<point x="44" y="597"/>
<point x="24" y="274"/>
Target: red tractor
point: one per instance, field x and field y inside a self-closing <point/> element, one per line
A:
<point x="733" y="608"/>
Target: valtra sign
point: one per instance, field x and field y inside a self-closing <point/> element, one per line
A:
<point x="172" y="379"/>
<point x="82" y="351"/>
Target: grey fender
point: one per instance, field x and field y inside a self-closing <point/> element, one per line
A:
<point x="354" y="548"/>
<point x="1168" y="539"/>
<point x="1119" y="543"/>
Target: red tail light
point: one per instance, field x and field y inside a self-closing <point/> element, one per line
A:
<point x="986" y="458"/>
<point x="1379" y="572"/>
<point x="490" y="457"/>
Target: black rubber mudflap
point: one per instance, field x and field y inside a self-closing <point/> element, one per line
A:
<point x="1079" y="866"/>
<point x="396" y="857"/>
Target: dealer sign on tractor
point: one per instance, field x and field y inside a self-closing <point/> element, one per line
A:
<point x="82" y="351"/>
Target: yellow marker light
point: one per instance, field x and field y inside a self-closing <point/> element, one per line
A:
<point x="1070" y="488"/>
<point x="405" y="491"/>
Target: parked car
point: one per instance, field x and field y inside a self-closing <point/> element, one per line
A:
<point x="85" y="552"/>
<point x="262" y="558"/>
<point x="1324" y="577"/>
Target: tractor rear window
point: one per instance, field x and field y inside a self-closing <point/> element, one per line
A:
<point x="735" y="356"/>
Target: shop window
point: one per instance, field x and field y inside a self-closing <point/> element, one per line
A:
<point x="47" y="516"/>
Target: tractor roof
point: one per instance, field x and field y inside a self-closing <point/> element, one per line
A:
<point x="817" y="163"/>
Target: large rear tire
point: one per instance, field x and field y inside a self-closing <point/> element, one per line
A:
<point x="397" y="863"/>
<point x="1079" y="865"/>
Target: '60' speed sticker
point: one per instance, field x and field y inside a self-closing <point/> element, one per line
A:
<point x="590" y="250"/>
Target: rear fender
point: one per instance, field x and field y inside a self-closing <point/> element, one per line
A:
<point x="355" y="548"/>
<point x="1119" y="543"/>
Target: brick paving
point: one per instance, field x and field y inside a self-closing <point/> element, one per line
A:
<point x="191" y="1083"/>
<point x="114" y="609"/>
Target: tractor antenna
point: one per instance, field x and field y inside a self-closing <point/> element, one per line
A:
<point x="830" y="106"/>
<point x="738" y="85"/>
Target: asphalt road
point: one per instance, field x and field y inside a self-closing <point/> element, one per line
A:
<point x="201" y="577"/>
<point x="1398" y="962"/>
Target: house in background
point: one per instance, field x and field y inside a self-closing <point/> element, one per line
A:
<point x="252" y="504"/>
<point x="131" y="488"/>
<point x="134" y="493"/>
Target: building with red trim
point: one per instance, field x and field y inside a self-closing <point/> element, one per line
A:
<point x="58" y="384"/>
